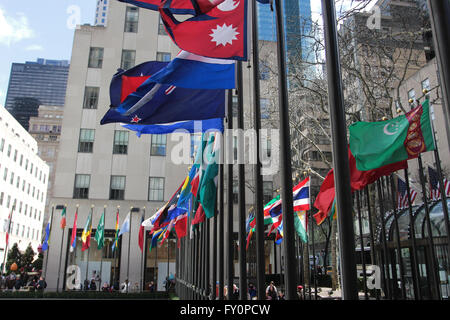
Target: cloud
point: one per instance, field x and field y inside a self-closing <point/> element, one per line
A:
<point x="14" y="29"/>
<point x="34" y="47"/>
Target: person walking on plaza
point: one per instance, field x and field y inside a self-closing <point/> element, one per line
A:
<point x="252" y="292"/>
<point x="41" y="285"/>
<point x="271" y="292"/>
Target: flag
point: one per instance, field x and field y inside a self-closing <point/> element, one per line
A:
<point x="279" y="234"/>
<point x="73" y="237"/>
<point x="199" y="216"/>
<point x="358" y="180"/>
<point x="134" y="99"/>
<point x="141" y="233"/>
<point x="87" y="231"/>
<point x="116" y="236"/>
<point x="435" y="191"/>
<point x="47" y="234"/>
<point x="301" y="195"/>
<point x="125" y="225"/>
<point x="301" y="225"/>
<point x="100" y="232"/>
<point x="376" y="144"/>
<point x="178" y="6"/>
<point x="250" y="227"/>
<point x="63" y="218"/>
<point x="402" y="194"/>
<point x="188" y="70"/>
<point x="7" y="226"/>
<point x="190" y="126"/>
<point x="155" y="237"/>
<point x="220" y="32"/>
<point x="208" y="183"/>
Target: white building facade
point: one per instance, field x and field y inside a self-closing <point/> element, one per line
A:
<point x="23" y="186"/>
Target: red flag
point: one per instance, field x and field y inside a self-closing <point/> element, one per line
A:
<point x="181" y="227"/>
<point x="358" y="180"/>
<point x="141" y="234"/>
<point x="219" y="33"/>
<point x="320" y="217"/>
<point x="199" y="215"/>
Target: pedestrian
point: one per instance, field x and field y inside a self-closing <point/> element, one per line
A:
<point x="252" y="292"/>
<point x="18" y="284"/>
<point x="124" y="286"/>
<point x="41" y="285"/>
<point x="300" y="292"/>
<point x="235" y="292"/>
<point x="93" y="285"/>
<point x="86" y="285"/>
<point x="271" y="292"/>
<point x="105" y="287"/>
<point x="151" y="286"/>
<point x="281" y="295"/>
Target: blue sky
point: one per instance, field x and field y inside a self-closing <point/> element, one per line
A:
<point x="31" y="29"/>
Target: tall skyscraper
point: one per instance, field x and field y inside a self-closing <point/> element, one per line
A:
<point x="296" y="21"/>
<point x="101" y="13"/>
<point x="34" y="83"/>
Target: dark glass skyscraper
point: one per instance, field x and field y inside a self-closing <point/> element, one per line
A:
<point x="36" y="83"/>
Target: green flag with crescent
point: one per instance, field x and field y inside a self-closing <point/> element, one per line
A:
<point x="100" y="232"/>
<point x="376" y="144"/>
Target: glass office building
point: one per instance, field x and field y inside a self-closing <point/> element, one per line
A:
<point x="36" y="83"/>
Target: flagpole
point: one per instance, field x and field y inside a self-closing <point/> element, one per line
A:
<point x="388" y="291"/>
<point x="340" y="155"/>
<point x="142" y="257"/>
<point x="60" y="255"/>
<point x="214" y="267"/>
<point x="361" y="238"/>
<point x="230" y="237"/>
<point x="372" y="239"/>
<point x="221" y="260"/>
<point x="412" y="231"/>
<point x="129" y="247"/>
<point x="439" y="11"/>
<point x="89" y="248"/>
<point x="442" y="189"/>
<point x="48" y="248"/>
<point x="241" y="185"/>
<point x="101" y="257"/>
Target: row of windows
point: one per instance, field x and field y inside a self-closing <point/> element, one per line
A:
<point x="46" y="128"/>
<point x="35" y="192"/>
<point x="23" y="207"/>
<point x="267" y="191"/>
<point x="42" y="176"/>
<point x="425" y="85"/>
<point x="120" y="143"/>
<point x="32" y="234"/>
<point x="128" y="59"/>
<point x="117" y="187"/>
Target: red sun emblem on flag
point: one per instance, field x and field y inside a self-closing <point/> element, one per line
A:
<point x="135" y="119"/>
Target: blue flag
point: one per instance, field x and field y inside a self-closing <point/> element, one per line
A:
<point x="190" y="126"/>
<point x="47" y="236"/>
<point x="137" y="100"/>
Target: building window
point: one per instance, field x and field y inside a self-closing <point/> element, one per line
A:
<point x="2" y="195"/>
<point x="20" y="206"/>
<point x="158" y="145"/>
<point x="120" y="142"/>
<point x="128" y="59"/>
<point x="263" y="71"/>
<point x="15" y="155"/>
<point x="117" y="190"/>
<point x="163" y="56"/>
<point x="2" y="145"/>
<point x="21" y="159"/>
<point x="161" y="28"/>
<point x="264" y="103"/>
<point x="131" y="19"/>
<point x="81" y="189"/>
<point x="95" y="58"/>
<point x="26" y="164"/>
<point x="267" y="191"/>
<point x="18" y="182"/>
<point x="8" y="202"/>
<point x="235" y="191"/>
<point x="5" y="174"/>
<point x="86" y="143"/>
<point x="412" y="94"/>
<point x="156" y="189"/>
<point x="426" y="84"/>
<point x="9" y="150"/>
<point x="91" y="97"/>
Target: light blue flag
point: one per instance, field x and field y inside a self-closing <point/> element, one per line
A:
<point x="125" y="225"/>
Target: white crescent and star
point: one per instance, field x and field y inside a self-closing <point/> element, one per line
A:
<point x="228" y="5"/>
<point x="386" y="129"/>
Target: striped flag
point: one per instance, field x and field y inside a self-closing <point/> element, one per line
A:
<point x="141" y="233"/>
<point x="301" y="195"/>
<point x="435" y="192"/>
<point x="116" y="238"/>
<point x="402" y="194"/>
<point x="73" y="238"/>
<point x="87" y="231"/>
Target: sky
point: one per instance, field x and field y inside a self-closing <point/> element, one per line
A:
<point x="31" y="29"/>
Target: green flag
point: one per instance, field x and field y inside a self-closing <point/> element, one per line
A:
<point x="100" y="232"/>
<point x="300" y="223"/>
<point x="208" y="183"/>
<point x="376" y="144"/>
